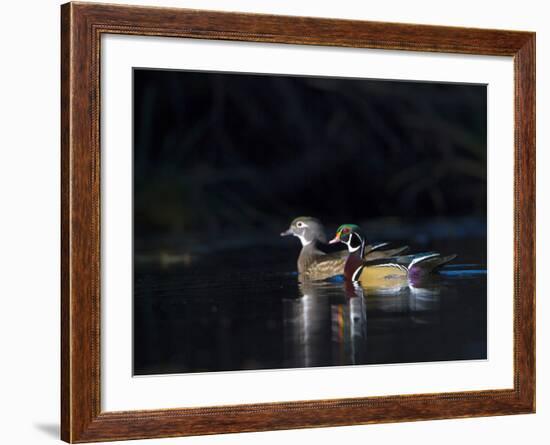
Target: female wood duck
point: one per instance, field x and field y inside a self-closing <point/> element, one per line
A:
<point x="383" y="271"/>
<point x="313" y="263"/>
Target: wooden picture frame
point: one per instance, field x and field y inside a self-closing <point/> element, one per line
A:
<point x="82" y="25"/>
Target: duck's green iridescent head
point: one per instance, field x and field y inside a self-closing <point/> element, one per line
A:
<point x="349" y="234"/>
<point x="344" y="232"/>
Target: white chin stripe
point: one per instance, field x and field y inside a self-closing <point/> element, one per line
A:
<point x="351" y="249"/>
<point x="303" y="239"/>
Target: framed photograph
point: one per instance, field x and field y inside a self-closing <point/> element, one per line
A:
<point x="275" y="222"/>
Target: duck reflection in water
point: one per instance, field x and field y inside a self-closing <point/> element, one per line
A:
<point x="328" y="323"/>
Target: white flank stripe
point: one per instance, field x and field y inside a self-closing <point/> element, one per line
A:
<point x="422" y="258"/>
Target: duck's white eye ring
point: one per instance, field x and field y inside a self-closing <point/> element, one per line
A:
<point x="300" y="224"/>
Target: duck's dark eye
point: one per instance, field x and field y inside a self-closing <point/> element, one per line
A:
<point x="299" y="224"/>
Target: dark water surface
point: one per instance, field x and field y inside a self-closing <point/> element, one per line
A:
<point x="245" y="309"/>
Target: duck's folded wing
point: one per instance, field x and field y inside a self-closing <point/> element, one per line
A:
<point x="327" y="266"/>
<point x="373" y="247"/>
<point x="428" y="263"/>
<point x="377" y="251"/>
<point x="418" y="262"/>
<point x="403" y="260"/>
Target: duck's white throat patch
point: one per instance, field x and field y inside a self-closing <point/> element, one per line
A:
<point x="351" y="248"/>
<point x="303" y="239"/>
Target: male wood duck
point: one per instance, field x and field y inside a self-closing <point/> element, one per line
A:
<point x="313" y="263"/>
<point x="381" y="272"/>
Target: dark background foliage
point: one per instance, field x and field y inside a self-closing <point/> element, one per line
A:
<point x="223" y="151"/>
